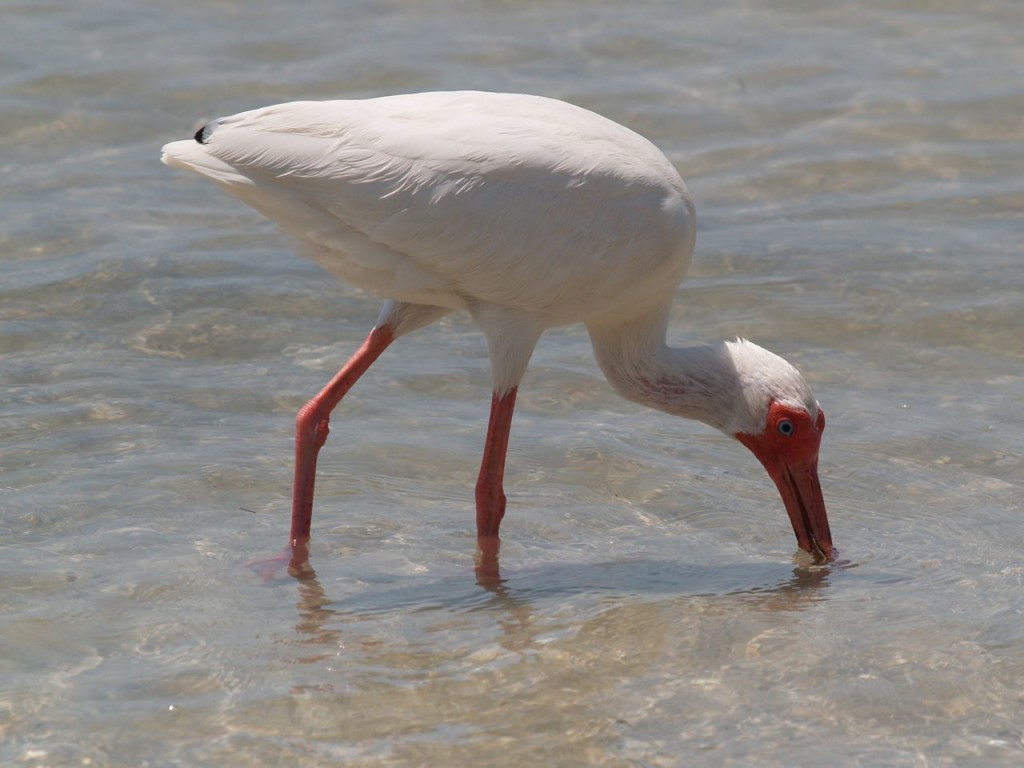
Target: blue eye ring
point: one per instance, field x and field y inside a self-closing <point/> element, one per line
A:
<point x="786" y="427"/>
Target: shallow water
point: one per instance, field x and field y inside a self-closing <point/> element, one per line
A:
<point x="858" y="177"/>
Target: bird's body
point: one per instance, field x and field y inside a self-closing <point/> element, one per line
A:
<point x="454" y="199"/>
<point x="526" y="212"/>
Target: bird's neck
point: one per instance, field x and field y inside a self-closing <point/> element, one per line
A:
<point x="699" y="383"/>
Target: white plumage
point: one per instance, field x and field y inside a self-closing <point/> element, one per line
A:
<point x="526" y="212"/>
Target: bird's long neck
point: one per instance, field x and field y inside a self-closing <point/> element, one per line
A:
<point x="699" y="383"/>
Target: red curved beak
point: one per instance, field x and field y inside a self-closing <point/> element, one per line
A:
<point x="792" y="462"/>
<point x="801" y="493"/>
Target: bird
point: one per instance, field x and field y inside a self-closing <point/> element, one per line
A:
<point x="528" y="213"/>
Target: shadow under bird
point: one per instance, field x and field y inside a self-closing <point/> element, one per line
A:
<point x="528" y="213"/>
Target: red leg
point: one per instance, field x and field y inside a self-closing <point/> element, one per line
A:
<point x="490" y="498"/>
<point x="311" y="428"/>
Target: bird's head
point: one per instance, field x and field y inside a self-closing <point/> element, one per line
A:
<point x="781" y="423"/>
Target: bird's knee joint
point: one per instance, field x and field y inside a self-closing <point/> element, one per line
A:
<point x="310" y="424"/>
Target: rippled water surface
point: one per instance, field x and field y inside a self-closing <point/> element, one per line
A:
<point x="858" y="174"/>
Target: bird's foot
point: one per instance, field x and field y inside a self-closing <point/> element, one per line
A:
<point x="295" y="557"/>
<point x="488" y="571"/>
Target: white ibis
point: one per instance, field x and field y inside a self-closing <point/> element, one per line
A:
<point x="528" y="213"/>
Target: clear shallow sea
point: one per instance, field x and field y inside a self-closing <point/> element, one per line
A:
<point x="859" y="176"/>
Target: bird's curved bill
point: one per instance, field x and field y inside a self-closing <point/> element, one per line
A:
<point x="790" y="456"/>
<point x="801" y="493"/>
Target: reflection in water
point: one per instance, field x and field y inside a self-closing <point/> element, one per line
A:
<point x="804" y="588"/>
<point x="514" y="599"/>
<point x="312" y="625"/>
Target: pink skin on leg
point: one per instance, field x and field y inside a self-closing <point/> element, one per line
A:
<point x="311" y="429"/>
<point x="490" y="497"/>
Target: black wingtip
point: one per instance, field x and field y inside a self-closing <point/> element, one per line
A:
<point x="201" y="135"/>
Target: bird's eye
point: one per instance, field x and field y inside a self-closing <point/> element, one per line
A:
<point x="786" y="428"/>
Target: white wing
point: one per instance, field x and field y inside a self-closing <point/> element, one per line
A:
<point x="463" y="197"/>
